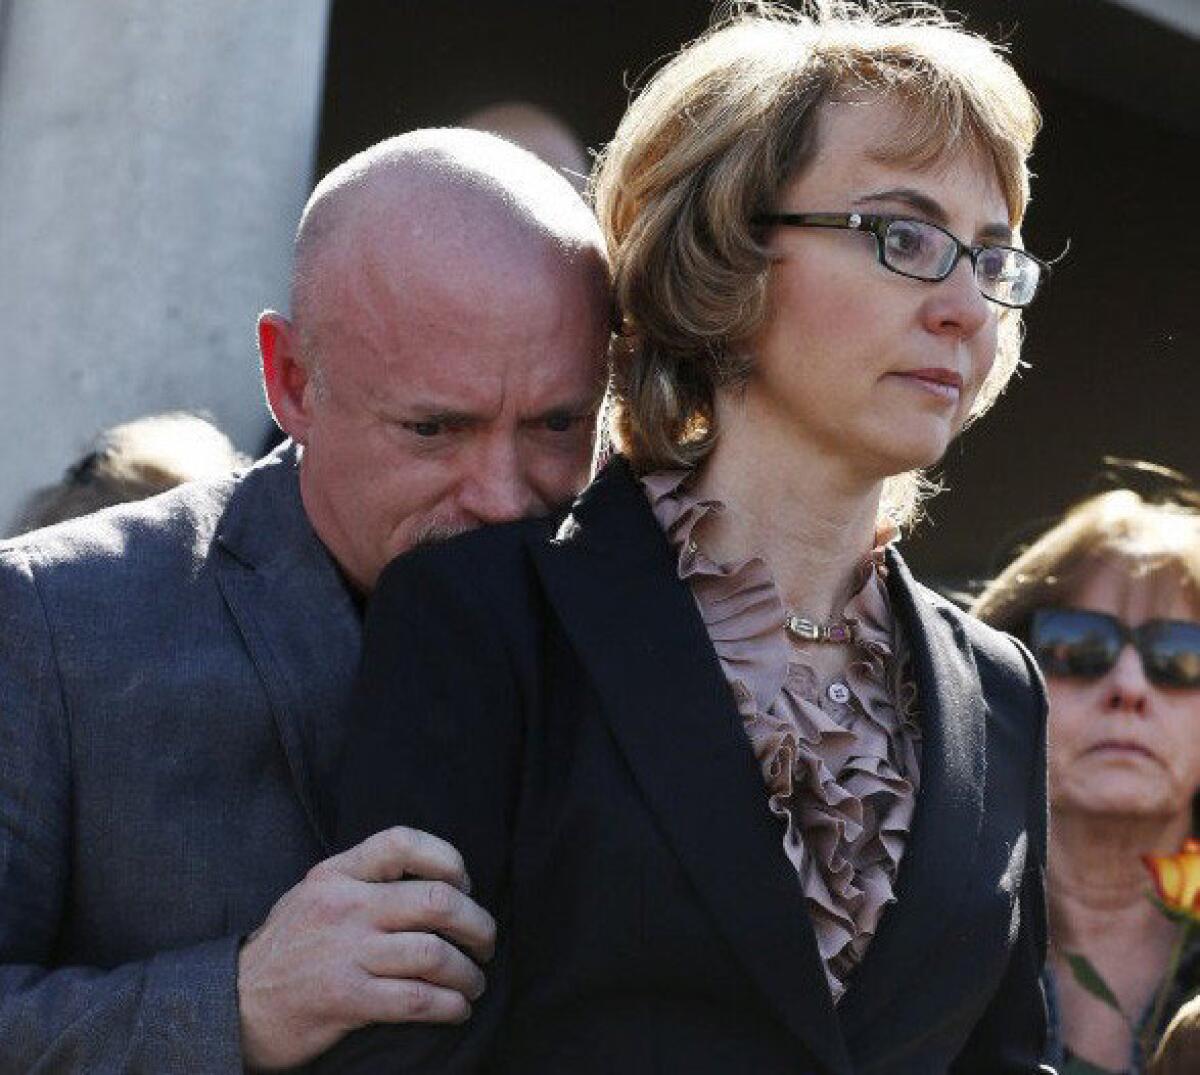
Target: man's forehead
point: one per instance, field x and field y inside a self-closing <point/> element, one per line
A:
<point x="524" y="325"/>
<point x="459" y="365"/>
<point x="471" y="386"/>
<point x="424" y="269"/>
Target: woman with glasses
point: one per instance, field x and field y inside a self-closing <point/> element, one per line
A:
<point x="742" y="795"/>
<point x="1109" y="601"/>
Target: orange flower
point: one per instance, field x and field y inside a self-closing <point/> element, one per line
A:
<point x="1177" y="878"/>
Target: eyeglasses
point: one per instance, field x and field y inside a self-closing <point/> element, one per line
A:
<point x="923" y="251"/>
<point x="1085" y="645"/>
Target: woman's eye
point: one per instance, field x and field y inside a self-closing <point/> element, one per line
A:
<point x="905" y="241"/>
<point x="993" y="263"/>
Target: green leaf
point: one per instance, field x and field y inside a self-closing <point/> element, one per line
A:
<point x="1088" y="977"/>
<point x="1173" y="913"/>
<point x="1078" y="1066"/>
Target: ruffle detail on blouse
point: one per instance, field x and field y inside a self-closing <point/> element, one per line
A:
<point x="841" y="777"/>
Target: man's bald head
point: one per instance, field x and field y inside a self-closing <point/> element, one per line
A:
<point x="541" y="132"/>
<point x="445" y="204"/>
<point x="447" y="348"/>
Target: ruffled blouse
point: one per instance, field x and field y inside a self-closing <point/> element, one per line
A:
<point x="841" y="761"/>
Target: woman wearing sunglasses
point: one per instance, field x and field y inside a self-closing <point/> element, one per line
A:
<point x="742" y="795"/>
<point x="1109" y="601"/>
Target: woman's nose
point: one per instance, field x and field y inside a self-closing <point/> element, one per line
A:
<point x="1128" y="687"/>
<point x="956" y="306"/>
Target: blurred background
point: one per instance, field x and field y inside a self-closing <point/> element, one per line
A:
<point x="154" y="159"/>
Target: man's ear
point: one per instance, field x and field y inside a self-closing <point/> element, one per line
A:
<point x="285" y="377"/>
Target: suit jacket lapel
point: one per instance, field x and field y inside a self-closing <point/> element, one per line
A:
<point x="636" y="629"/>
<point x="297" y="621"/>
<point x="949" y="814"/>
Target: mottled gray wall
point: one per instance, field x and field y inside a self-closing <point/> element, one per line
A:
<point x="153" y="162"/>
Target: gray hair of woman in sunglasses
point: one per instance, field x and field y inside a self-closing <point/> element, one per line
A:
<point x="713" y="139"/>
<point x="1153" y="539"/>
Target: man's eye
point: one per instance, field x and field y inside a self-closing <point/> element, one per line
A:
<point x="560" y="423"/>
<point x="423" y="428"/>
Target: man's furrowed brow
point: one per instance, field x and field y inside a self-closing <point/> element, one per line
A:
<point x="427" y="412"/>
<point x="583" y="404"/>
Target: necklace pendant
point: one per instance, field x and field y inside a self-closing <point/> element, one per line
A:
<point x="839" y="632"/>
<point x="803" y="628"/>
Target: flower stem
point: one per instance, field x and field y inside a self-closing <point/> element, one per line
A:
<point x="1165" y="989"/>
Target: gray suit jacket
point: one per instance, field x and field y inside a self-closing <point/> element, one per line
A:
<point x="173" y="677"/>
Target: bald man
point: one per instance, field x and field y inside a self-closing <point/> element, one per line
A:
<point x="173" y="674"/>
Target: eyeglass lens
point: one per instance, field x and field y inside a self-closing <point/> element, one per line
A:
<point x="1083" y="644"/>
<point x="1003" y="273"/>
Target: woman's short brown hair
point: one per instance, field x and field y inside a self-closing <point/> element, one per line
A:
<point x="714" y="137"/>
<point x="1118" y="528"/>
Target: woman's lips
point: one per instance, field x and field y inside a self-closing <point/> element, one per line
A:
<point x="942" y="383"/>
<point x="1121" y="746"/>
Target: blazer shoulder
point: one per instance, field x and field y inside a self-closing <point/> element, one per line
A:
<point x="488" y="569"/>
<point x="1005" y="663"/>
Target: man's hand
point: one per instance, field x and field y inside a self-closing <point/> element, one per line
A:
<point x="367" y="937"/>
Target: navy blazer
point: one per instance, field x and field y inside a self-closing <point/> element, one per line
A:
<point x="173" y="680"/>
<point x="552" y="705"/>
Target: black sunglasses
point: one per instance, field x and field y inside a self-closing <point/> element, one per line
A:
<point x="1085" y="645"/>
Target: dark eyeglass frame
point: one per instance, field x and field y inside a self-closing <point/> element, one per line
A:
<point x="877" y="224"/>
<point x="1158" y="643"/>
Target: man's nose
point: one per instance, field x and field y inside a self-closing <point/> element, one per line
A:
<point x="496" y="489"/>
<point x="1127" y="685"/>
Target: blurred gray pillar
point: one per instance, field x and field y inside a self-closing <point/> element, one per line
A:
<point x="1182" y="15"/>
<point x="154" y="158"/>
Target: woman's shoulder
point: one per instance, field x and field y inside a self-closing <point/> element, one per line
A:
<point x="1002" y="660"/>
<point x="484" y="569"/>
<point x="476" y="549"/>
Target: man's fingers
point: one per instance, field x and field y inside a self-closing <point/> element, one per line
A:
<point x="401" y="852"/>
<point x="405" y="1000"/>
<point x="435" y="907"/>
<point x="425" y="956"/>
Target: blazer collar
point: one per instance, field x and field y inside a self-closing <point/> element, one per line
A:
<point x="264" y="520"/>
<point x="949" y="815"/>
<point x="612" y="517"/>
<point x="297" y="620"/>
<point x="635" y="627"/>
